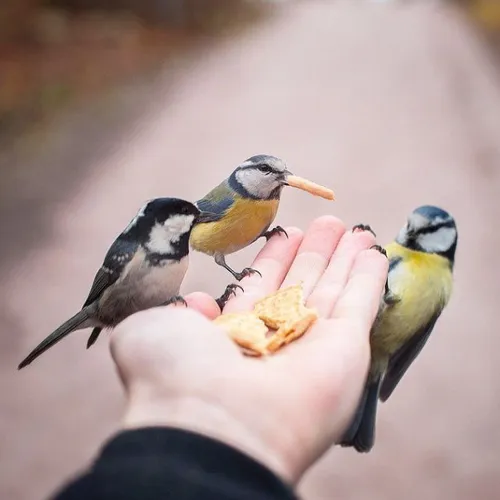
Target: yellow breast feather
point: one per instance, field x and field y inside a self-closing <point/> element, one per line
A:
<point x="423" y="283"/>
<point x="244" y="221"/>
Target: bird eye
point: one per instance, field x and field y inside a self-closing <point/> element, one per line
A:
<point x="185" y="210"/>
<point x="265" y="168"/>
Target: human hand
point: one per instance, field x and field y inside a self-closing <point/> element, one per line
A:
<point x="284" y="410"/>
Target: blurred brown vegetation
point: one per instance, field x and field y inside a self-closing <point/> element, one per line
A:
<point x="53" y="53"/>
<point x="56" y="52"/>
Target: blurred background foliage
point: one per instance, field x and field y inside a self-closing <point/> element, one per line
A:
<point x="57" y="52"/>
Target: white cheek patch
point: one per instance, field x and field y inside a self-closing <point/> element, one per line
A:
<point x="439" y="241"/>
<point x="256" y="183"/>
<point x="163" y="235"/>
<point x="177" y="225"/>
<point x="158" y="241"/>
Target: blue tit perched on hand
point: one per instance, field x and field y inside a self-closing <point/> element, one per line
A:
<point x="244" y="206"/>
<point x="419" y="286"/>
<point x="144" y="268"/>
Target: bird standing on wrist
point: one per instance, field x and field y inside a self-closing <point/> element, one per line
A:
<point x="419" y="286"/>
<point x="143" y="268"/>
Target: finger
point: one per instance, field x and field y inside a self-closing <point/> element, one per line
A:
<point x="334" y="355"/>
<point x="203" y="303"/>
<point x="273" y="262"/>
<point x="334" y="279"/>
<point x="361" y="297"/>
<point x="162" y="340"/>
<point x="357" y="306"/>
<point x="314" y="253"/>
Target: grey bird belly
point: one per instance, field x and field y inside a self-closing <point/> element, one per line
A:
<point x="141" y="287"/>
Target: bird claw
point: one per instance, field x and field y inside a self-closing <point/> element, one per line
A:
<point x="224" y="298"/>
<point x="379" y="249"/>
<point x="389" y="298"/>
<point x="363" y="227"/>
<point x="248" y="271"/>
<point x="275" y="230"/>
<point x="176" y="299"/>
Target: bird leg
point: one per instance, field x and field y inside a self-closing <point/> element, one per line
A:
<point x="363" y="227"/>
<point x="230" y="290"/>
<point x="220" y="259"/>
<point x="389" y="297"/>
<point x="176" y="299"/>
<point x="275" y="230"/>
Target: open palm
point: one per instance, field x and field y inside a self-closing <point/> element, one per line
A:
<point x="285" y="410"/>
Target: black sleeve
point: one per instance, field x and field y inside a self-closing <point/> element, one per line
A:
<point x="160" y="463"/>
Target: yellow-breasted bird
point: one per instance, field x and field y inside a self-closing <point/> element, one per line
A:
<point x="419" y="286"/>
<point x="244" y="206"/>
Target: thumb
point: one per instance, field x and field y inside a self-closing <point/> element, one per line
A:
<point x="166" y="344"/>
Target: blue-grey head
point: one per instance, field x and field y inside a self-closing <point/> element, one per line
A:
<point x="430" y="229"/>
<point x="260" y="177"/>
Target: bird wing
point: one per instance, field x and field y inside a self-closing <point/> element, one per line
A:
<point x="218" y="201"/>
<point x="401" y="360"/>
<point x="118" y="256"/>
<point x="394" y="261"/>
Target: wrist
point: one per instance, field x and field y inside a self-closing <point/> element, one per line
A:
<point x="196" y="414"/>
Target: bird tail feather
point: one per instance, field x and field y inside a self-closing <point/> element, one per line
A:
<point x="93" y="336"/>
<point x="361" y="433"/>
<point x="77" y="322"/>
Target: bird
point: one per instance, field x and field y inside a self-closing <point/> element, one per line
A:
<point x="244" y="207"/>
<point x="143" y="268"/>
<point x="418" y="288"/>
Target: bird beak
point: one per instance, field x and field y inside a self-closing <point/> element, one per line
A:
<point x="306" y="185"/>
<point x="410" y="231"/>
<point x="284" y="179"/>
<point x="205" y="217"/>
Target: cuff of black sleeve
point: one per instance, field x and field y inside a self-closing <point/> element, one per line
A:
<point x="198" y="456"/>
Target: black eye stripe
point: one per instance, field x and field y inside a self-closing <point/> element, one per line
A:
<point x="433" y="229"/>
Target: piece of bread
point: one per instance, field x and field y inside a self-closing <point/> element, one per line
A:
<point x="310" y="187"/>
<point x="283" y="312"/>
<point x="247" y="330"/>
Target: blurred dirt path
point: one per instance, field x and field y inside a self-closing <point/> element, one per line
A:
<point x="393" y="107"/>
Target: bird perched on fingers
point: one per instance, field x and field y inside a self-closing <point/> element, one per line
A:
<point x="419" y="286"/>
<point x="143" y="268"/>
<point x="244" y="207"/>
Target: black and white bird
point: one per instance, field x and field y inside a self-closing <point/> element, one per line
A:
<point x="144" y="268"/>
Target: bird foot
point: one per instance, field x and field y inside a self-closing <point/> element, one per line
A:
<point x="230" y="290"/>
<point x="379" y="249"/>
<point x="363" y="227"/>
<point x="275" y="230"/>
<point x="389" y="298"/>
<point x="248" y="271"/>
<point x="176" y="299"/>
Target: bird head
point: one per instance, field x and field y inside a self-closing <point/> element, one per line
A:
<point x="430" y="229"/>
<point x="260" y="177"/>
<point x="163" y="223"/>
